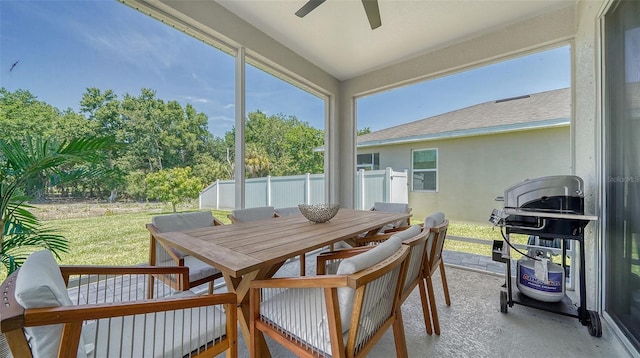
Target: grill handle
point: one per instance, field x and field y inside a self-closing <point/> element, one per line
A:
<point x="536" y="228"/>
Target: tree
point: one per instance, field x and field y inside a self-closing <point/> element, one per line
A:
<point x="289" y="144"/>
<point x="173" y="185"/>
<point x="256" y="161"/>
<point x="363" y="131"/>
<point x="22" y="114"/>
<point x="20" y="161"/>
<point x="135" y="185"/>
<point x="209" y="169"/>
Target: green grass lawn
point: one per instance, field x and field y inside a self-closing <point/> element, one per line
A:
<point x="115" y="236"/>
<point x="486" y="233"/>
<point x="120" y="239"/>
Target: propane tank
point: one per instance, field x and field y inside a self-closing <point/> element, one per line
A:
<point x="550" y="290"/>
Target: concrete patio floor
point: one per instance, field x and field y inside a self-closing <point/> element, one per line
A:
<point x="473" y="325"/>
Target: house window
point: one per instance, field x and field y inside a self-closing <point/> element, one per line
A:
<point x="424" y="170"/>
<point x="369" y="161"/>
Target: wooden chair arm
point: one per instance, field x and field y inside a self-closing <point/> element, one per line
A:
<point x="365" y="240"/>
<point x="329" y="281"/>
<point x="69" y="314"/>
<point x="11" y="313"/>
<point x="72" y="317"/>
<point x="14" y="316"/>
<point x="68" y="270"/>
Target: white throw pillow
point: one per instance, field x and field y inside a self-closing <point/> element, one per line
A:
<point x="40" y="284"/>
<point x="358" y="263"/>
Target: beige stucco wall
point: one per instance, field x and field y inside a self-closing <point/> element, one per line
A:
<point x="472" y="171"/>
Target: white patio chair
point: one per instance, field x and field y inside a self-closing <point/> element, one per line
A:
<point x="161" y="254"/>
<point x="341" y="315"/>
<point x="415" y="238"/>
<point x="393" y="208"/>
<point x="252" y="214"/>
<point x="106" y="314"/>
<point x="436" y="226"/>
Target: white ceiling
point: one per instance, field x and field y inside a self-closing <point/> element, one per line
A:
<point x="336" y="36"/>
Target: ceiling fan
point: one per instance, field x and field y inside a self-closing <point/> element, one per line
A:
<point x="370" y="7"/>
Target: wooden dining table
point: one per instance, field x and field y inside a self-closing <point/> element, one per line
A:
<point x="255" y="250"/>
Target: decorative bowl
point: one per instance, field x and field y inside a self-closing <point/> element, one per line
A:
<point x="319" y="213"/>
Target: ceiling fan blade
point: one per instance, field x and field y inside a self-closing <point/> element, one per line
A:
<point x="308" y="7"/>
<point x="373" y="13"/>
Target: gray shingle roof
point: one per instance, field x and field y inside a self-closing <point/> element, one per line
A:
<point x="532" y="111"/>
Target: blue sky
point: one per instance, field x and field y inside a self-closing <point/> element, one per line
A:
<point x="63" y="47"/>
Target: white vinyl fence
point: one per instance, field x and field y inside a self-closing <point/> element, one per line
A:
<point x="371" y="186"/>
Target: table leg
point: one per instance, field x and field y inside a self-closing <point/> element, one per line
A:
<point x="240" y="286"/>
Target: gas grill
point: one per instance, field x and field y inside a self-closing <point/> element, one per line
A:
<point x="549" y="208"/>
<point x="536" y="207"/>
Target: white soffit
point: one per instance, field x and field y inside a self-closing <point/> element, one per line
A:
<point x="336" y="36"/>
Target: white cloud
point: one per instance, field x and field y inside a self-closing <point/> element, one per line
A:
<point x="196" y="99"/>
<point x="230" y="105"/>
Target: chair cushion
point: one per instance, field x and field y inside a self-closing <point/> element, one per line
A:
<point x="40" y="284"/>
<point x="434" y="219"/>
<point x="182" y="221"/>
<point x="305" y="316"/>
<point x="391" y="207"/>
<point x="288" y="211"/>
<point x="408" y="233"/>
<point x="178" y="222"/>
<point x="358" y="263"/>
<point x="170" y="334"/>
<point x="430" y="221"/>
<point x="261" y="213"/>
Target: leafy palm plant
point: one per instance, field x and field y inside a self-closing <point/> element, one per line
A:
<point x="23" y="161"/>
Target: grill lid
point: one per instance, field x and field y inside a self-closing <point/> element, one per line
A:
<point x="562" y="193"/>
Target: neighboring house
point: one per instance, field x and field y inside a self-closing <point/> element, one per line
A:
<point x="460" y="161"/>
